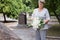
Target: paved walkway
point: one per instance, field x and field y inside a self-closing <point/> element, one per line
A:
<point x="28" y="34"/>
<point x="23" y="33"/>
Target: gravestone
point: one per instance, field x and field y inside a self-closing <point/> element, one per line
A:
<point x="7" y="34"/>
<point x="22" y="18"/>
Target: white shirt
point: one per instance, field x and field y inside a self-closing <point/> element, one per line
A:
<point x="44" y="14"/>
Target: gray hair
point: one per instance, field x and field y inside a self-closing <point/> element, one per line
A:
<point x="43" y="1"/>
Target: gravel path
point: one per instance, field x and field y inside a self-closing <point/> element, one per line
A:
<point x="26" y="33"/>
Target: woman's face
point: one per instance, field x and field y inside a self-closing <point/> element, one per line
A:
<point x="41" y="5"/>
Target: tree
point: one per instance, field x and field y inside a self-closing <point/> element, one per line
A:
<point x="53" y="6"/>
<point x="12" y="8"/>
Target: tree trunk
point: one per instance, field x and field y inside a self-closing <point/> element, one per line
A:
<point x="57" y="16"/>
<point x="54" y="8"/>
<point x="4" y="17"/>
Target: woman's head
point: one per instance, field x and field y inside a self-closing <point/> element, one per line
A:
<point x="41" y="3"/>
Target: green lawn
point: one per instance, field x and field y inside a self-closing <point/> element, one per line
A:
<point x="54" y="30"/>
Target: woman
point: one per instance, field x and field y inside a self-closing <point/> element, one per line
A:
<point x="44" y="14"/>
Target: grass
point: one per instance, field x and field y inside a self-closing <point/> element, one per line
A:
<point x="54" y="30"/>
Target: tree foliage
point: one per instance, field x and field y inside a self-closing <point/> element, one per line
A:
<point x="13" y="7"/>
<point x="53" y="5"/>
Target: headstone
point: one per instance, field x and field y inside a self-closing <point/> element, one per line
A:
<point x="22" y="18"/>
<point x="7" y="34"/>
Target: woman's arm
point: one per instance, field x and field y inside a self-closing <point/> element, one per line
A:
<point x="47" y="17"/>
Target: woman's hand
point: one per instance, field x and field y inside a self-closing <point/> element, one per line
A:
<point x="46" y="21"/>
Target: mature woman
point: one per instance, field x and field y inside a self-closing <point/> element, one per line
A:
<point x="44" y="14"/>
